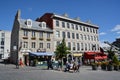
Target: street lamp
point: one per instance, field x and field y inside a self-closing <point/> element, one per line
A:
<point x="17" y="61"/>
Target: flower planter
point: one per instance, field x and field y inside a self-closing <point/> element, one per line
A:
<point x="103" y="67"/>
<point x="116" y="67"/>
<point x="94" y="67"/>
<point x="109" y="67"/>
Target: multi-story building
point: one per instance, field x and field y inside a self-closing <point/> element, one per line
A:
<point x="48" y="31"/>
<point x="5" y="37"/>
<point x="80" y="36"/>
<point x="29" y="36"/>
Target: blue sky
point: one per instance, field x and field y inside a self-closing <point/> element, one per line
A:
<point x="104" y="13"/>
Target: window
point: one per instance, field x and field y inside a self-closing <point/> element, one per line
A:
<point x="3" y="35"/>
<point x="33" y="44"/>
<point x="58" y="42"/>
<point x="88" y="37"/>
<point x="81" y="36"/>
<point x="68" y="34"/>
<point x="82" y="46"/>
<point x="85" y="37"/>
<point x="68" y="25"/>
<point x="44" y="24"/>
<point x="69" y="45"/>
<point x="29" y="22"/>
<point x="57" y="33"/>
<point x="77" y="36"/>
<point x="85" y="46"/>
<point x="76" y="27"/>
<point x="72" y="26"/>
<point x="33" y="33"/>
<point x="25" y="45"/>
<point x="63" y="34"/>
<point x="81" y="28"/>
<point x="48" y="45"/>
<point x="73" y="36"/>
<point x="78" y="46"/>
<point x="2" y="41"/>
<point x="63" y="24"/>
<point x="57" y="23"/>
<point x="48" y="35"/>
<point x="91" y="38"/>
<point x="87" y="29"/>
<point x="41" y="35"/>
<point x="73" y="45"/>
<point x="25" y="33"/>
<point x="40" y="45"/>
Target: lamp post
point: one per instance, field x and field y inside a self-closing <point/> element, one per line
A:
<point x="16" y="52"/>
<point x="94" y="51"/>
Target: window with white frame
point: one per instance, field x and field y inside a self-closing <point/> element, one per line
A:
<point x="57" y="33"/>
<point x="73" y="45"/>
<point x="63" y="24"/>
<point x="68" y="34"/>
<point x="33" y="33"/>
<point x="48" y="35"/>
<point x="40" y="34"/>
<point x="69" y="45"/>
<point x="77" y="35"/>
<point x="48" y="45"/>
<point x="57" y="23"/>
<point x="40" y="45"/>
<point x="73" y="36"/>
<point x="33" y="44"/>
<point x="63" y="34"/>
<point x="25" y="32"/>
<point x="78" y="46"/>
<point x="25" y="44"/>
<point x="68" y="25"/>
<point x="72" y="26"/>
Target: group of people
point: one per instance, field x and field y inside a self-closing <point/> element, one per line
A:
<point x="72" y="66"/>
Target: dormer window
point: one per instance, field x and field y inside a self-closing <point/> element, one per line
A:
<point x="29" y="22"/>
<point x="42" y="24"/>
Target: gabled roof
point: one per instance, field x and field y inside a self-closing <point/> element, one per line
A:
<point x="35" y="25"/>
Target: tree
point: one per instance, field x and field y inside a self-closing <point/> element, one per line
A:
<point x="62" y="50"/>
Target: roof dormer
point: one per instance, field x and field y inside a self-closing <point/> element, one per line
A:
<point x="42" y="24"/>
<point x="29" y="22"/>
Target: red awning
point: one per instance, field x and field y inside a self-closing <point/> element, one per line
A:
<point x="98" y="58"/>
<point x="104" y="57"/>
<point x="90" y="53"/>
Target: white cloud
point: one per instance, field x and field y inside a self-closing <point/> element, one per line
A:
<point x="116" y="28"/>
<point x="102" y="44"/>
<point x="30" y="9"/>
<point x="118" y="32"/>
<point x="102" y="33"/>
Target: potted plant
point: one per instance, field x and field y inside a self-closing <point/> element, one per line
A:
<point x="104" y="65"/>
<point x="94" y="66"/>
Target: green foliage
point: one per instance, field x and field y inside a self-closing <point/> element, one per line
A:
<point x="61" y="50"/>
<point x="115" y="60"/>
<point x="110" y="54"/>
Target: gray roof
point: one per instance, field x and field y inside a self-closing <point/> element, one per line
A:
<point x="35" y="26"/>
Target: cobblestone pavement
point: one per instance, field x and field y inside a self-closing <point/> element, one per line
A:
<point x="9" y="72"/>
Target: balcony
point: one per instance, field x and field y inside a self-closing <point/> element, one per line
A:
<point x="33" y="38"/>
<point x="48" y="39"/>
<point x="41" y="39"/>
<point x="25" y="37"/>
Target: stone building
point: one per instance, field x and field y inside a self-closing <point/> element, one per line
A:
<point x="80" y="36"/>
<point x="29" y="36"/>
<point x="5" y="37"/>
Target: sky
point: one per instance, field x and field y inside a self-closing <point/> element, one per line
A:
<point x="104" y="13"/>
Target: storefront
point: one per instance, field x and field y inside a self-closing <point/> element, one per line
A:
<point x="39" y="57"/>
<point x="90" y="57"/>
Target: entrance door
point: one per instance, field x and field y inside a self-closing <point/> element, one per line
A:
<point x="26" y="60"/>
